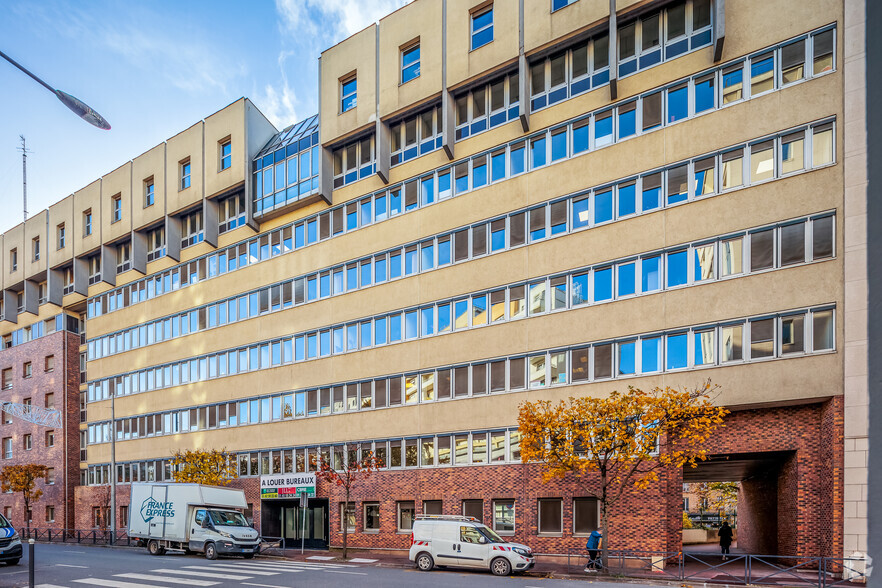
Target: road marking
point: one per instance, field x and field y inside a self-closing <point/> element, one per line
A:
<point x="170" y="580"/>
<point x="113" y="583"/>
<point x="262" y="585"/>
<point x="321" y="557"/>
<point x="71" y="566"/>
<point x="49" y="586"/>
<point x="202" y="574"/>
<point x="362" y="560"/>
<point x="234" y="568"/>
<point x="342" y="572"/>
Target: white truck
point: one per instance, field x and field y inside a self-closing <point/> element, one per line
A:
<point x="191" y="517"/>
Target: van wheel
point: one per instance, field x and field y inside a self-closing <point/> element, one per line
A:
<point x="425" y="562"/>
<point x="248" y="556"/>
<point x="12" y="562"/>
<point x="154" y="548"/>
<point x="500" y="567"/>
<point x="210" y="551"/>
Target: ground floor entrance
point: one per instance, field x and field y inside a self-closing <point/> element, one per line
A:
<point x="286" y="520"/>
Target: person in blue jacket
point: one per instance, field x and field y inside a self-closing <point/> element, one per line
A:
<point x="593" y="545"/>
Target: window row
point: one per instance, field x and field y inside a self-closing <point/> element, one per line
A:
<point x="41" y="329"/>
<point x="790" y="334"/>
<point x="788" y="243"/>
<point x="287" y="174"/>
<point x="734" y="167"/>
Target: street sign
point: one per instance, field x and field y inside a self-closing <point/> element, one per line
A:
<point x="288" y="486"/>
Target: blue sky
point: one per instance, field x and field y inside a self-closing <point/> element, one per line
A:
<point x="152" y="70"/>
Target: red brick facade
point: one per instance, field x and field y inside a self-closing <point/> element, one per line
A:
<point x="64" y="386"/>
<point x="807" y="503"/>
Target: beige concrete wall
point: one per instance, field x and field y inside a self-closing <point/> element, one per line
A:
<point x="14" y="239"/>
<point x="35" y="227"/>
<point x="542" y="26"/>
<point x="228" y="123"/>
<point x="89" y="198"/>
<point x="119" y="181"/>
<point x="358" y="55"/>
<point x="184" y="145"/>
<point x="150" y="164"/>
<point x="61" y="212"/>
<point x="463" y="63"/>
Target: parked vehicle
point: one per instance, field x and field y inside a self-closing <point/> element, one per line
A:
<point x="191" y="517"/>
<point x="447" y="540"/>
<point x="10" y="542"/>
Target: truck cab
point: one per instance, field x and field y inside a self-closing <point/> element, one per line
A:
<point x="225" y="532"/>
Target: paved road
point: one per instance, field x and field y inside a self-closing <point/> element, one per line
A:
<point x="79" y="566"/>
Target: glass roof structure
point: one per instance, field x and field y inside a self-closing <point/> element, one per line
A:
<point x="292" y="135"/>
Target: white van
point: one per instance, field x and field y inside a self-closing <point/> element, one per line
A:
<point x="448" y="540"/>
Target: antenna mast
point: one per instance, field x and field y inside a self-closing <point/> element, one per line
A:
<point x="24" y="175"/>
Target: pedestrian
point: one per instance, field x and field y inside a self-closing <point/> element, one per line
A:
<point x="593" y="545"/>
<point x="725" y="534"/>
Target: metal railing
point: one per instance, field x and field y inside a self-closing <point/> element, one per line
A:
<point x="736" y="569"/>
<point x="90" y="536"/>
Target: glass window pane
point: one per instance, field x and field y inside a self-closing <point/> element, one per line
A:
<point x="703" y="262"/>
<point x="822" y="330"/>
<point x="650" y="349"/>
<point x="762" y="335"/>
<point x="762" y="161"/>
<point x="677" y="349"/>
<point x="792" y="152"/>
<point x="793" y="244"/>
<point x="627" y="358"/>
<point x="793" y="334"/>
<point x="732" y="341"/>
<point x="603" y="284"/>
<point x="678" y="103"/>
<point x="762" y="74"/>
<point x="762" y="253"/>
<point x="822" y="237"/>
<point x="677" y="268"/>
<point x="822" y="145"/>
<point x="650" y="277"/>
<point x="732" y="83"/>
<point x="704" y="348"/>
<point x="730" y="257"/>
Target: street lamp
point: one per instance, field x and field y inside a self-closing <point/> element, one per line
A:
<point x="79" y="107"/>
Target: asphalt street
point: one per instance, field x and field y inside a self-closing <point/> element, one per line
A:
<point x="79" y="566"/>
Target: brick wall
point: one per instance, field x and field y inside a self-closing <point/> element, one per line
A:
<point x="41" y="383"/>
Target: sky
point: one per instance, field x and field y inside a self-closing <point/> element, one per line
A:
<point x="152" y="69"/>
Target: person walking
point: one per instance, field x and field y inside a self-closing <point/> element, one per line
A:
<point x="725" y="535"/>
<point x="593" y="545"/>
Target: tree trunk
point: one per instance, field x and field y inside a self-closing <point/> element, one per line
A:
<point x="346" y="523"/>
<point x="27" y="521"/>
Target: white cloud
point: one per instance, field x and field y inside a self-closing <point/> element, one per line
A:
<point x="279" y="106"/>
<point x="332" y="20"/>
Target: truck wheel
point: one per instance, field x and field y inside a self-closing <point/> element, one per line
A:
<point x="210" y="551"/>
<point x="12" y="562"/>
<point x="425" y="562"/>
<point x="248" y="556"/>
<point x="500" y="567"/>
<point x="155" y="548"/>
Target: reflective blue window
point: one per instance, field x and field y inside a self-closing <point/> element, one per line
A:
<point x="703" y="348"/>
<point x="650" y="354"/>
<point x="352" y="337"/>
<point x="395" y="203"/>
<point x="627" y="120"/>
<point x="678" y="104"/>
<point x="704" y="94"/>
<point x="348" y="93"/>
<point x="379" y="270"/>
<point x="580" y="289"/>
<point x="394" y="328"/>
<point x="580" y="213"/>
<point x="627" y="199"/>
<point x="517" y="159"/>
<point x="677" y="263"/>
<point x="603" y="130"/>
<point x="366" y="274"/>
<point x="627" y="358"/>
<point x="650" y="267"/>
<point x="603" y="207"/>
<point x="581" y="137"/>
<point x="380" y="331"/>
<point x="427" y="190"/>
<point x="627" y="278"/>
<point x="444" y="184"/>
<point x="537" y="153"/>
<point x="299" y="352"/>
<point x="366" y="215"/>
<point x="311" y="292"/>
<point x="394" y="266"/>
<point x="325" y="285"/>
<point x="427" y="321"/>
<point x="325" y="343"/>
<point x="428" y="254"/>
<point x="311" y="341"/>
<point x="443" y="318"/>
<point x="462" y="182"/>
<point x="482" y="28"/>
<point x="651" y="192"/>
<point x="497" y="238"/>
<point x="366" y="335"/>
<point x="603" y="284"/>
<point x="479" y="172"/>
<point x="410" y="64"/>
<point x="410" y="324"/>
<point x="311" y="231"/>
<point x="352" y="277"/>
<point x="444" y="252"/>
<point x="677" y="351"/>
<point x="380" y="212"/>
<point x="304" y="165"/>
<point x="732" y="89"/>
<point x="292" y="170"/>
<point x="299" y="236"/>
<point x="559" y="145"/>
<point x="338" y="282"/>
<point x="339" y="346"/>
<point x="410" y="262"/>
<point x="497" y="164"/>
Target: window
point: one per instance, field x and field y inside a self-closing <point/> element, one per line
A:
<point x="347" y="517"/>
<point x="48" y="363"/>
<point x="762" y="333"/>
<point x="504" y="516"/>
<point x="191" y="229"/>
<point x="27" y="370"/>
<point x="371" y="517"/>
<point x="50" y="439"/>
<point x="185" y="174"/>
<point x="585" y="519"/>
<point x="432" y="507"/>
<point x="550" y="516"/>
<point x="123" y="516"/>
<point x="473" y="508"/>
<point x="94" y="264"/>
<point x="87" y="223"/>
<point x="7" y="379"/>
<point x="405" y="515"/>
<point x="50" y="513"/>
<point x="116" y="208"/>
<point x="348" y="93"/>
<point x="226" y="154"/>
<point x="60" y="235"/>
<point x="35" y="249"/>
<point x="558" y="4"/>
<point x="410" y="63"/>
<point x="482" y="27"/>
<point x="149" y="194"/>
<point x="49" y="401"/>
<point x="822" y="60"/>
<point x="7" y="448"/>
<point x="26" y="442"/>
<point x="123" y="257"/>
<point x="155" y="243"/>
<point x="232" y="213"/>
<point x="353" y="162"/>
<point x="13" y="260"/>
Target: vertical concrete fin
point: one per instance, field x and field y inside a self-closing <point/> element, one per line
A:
<point x="719" y="28"/>
<point x="10" y="306"/>
<point x="55" y="286"/>
<point x="31" y="297"/>
<point x="173" y="237"/>
<point x="81" y="275"/>
<point x="523" y="72"/>
<point x="108" y="264"/>
<point x="613" y="52"/>
<point x="139" y="251"/>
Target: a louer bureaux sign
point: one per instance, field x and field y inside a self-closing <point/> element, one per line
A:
<point x="287" y="485"/>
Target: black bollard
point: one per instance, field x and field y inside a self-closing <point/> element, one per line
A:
<point x="31" y="563"/>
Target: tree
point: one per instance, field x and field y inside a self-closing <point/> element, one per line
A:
<point x="625" y="439"/>
<point x="22" y="478"/>
<point x="344" y="473"/>
<point x="204" y="466"/>
<point x="719" y="496"/>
